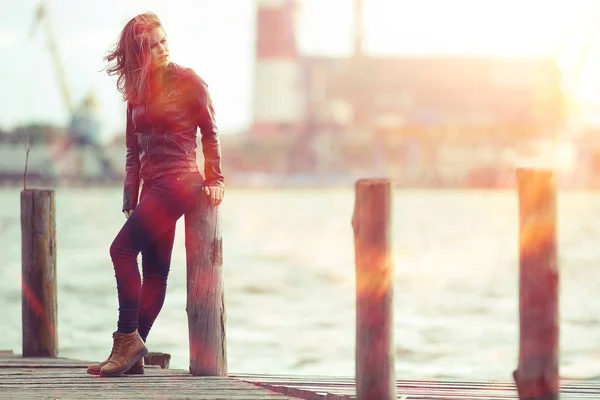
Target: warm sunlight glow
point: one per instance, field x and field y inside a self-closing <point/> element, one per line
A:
<point x="529" y="28"/>
<point x="559" y="155"/>
<point x="490" y="27"/>
<point x="566" y="30"/>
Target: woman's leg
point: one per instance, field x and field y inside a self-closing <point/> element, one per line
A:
<point x="156" y="262"/>
<point x="156" y="214"/>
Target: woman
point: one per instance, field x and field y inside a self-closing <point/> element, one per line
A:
<point x="166" y="103"/>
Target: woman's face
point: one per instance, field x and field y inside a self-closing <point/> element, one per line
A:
<point x="159" y="48"/>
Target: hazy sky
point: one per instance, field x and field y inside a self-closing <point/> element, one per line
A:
<point x="216" y="38"/>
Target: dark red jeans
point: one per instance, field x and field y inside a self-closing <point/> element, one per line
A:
<point x="150" y="230"/>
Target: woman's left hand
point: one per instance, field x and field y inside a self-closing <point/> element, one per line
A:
<point x="215" y="193"/>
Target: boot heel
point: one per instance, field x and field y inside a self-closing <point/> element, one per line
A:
<point x="136" y="360"/>
<point x="138" y="368"/>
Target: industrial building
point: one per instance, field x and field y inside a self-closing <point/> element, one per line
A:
<point x="435" y="120"/>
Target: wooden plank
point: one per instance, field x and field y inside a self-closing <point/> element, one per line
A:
<point x="344" y="388"/>
<point x="160" y="386"/>
<point x="43" y="364"/>
<point x="346" y="380"/>
<point x="161" y="360"/>
<point x="61" y="378"/>
<point x="131" y="393"/>
<point x="17" y="361"/>
<point x="49" y="362"/>
<point x="55" y="381"/>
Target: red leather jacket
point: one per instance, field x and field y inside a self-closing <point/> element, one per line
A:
<point x="161" y="134"/>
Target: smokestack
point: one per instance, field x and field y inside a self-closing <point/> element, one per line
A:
<point x="278" y="100"/>
<point x="358" y="28"/>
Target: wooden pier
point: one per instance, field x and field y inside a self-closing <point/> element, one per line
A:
<point x="340" y="388"/>
<point x="40" y="374"/>
<point x="49" y="378"/>
<point x="55" y="378"/>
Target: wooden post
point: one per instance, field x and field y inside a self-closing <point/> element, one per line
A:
<point x="38" y="270"/>
<point x="374" y="290"/>
<point x="205" y="297"/>
<point x="537" y="375"/>
<point x="156" y="358"/>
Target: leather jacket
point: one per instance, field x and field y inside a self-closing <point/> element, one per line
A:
<point x="161" y="134"/>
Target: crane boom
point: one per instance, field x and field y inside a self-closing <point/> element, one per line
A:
<point x="41" y="16"/>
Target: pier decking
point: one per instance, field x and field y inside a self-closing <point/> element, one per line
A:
<point x="339" y="388"/>
<point x="61" y="378"/>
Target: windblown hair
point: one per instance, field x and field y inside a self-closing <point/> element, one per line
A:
<point x="129" y="59"/>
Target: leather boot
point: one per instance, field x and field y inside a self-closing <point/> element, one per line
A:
<point x="137" y="369"/>
<point x="128" y="348"/>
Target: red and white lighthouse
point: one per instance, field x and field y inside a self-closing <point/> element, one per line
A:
<point x="278" y="100"/>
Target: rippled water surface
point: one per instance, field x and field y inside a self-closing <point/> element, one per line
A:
<point x="289" y="281"/>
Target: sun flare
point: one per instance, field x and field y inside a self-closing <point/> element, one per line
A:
<point x="566" y="30"/>
<point x="490" y="27"/>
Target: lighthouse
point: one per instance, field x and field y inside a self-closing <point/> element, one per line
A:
<point x="278" y="100"/>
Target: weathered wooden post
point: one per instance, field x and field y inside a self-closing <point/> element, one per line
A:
<point x="38" y="270"/>
<point x="537" y="375"/>
<point x="205" y="297"/>
<point x="375" y="376"/>
<point x="157" y="358"/>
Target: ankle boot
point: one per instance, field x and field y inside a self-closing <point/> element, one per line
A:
<point x="137" y="369"/>
<point x="128" y="348"/>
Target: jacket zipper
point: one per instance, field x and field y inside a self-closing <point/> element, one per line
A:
<point x="148" y="138"/>
<point x="178" y="145"/>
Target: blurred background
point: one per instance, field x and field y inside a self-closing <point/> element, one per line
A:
<point x="311" y="95"/>
<point x="430" y="93"/>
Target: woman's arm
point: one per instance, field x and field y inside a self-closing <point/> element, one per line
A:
<point x="204" y="116"/>
<point x="131" y="186"/>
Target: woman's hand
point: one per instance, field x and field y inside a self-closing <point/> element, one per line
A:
<point x="127" y="213"/>
<point x="215" y="193"/>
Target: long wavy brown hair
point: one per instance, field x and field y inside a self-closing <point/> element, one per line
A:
<point x="129" y="59"/>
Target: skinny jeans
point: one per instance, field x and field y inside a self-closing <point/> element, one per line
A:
<point x="150" y="230"/>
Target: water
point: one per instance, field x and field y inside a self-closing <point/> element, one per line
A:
<point x="289" y="281"/>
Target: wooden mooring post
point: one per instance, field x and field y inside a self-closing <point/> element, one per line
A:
<point x="537" y="374"/>
<point x="375" y="376"/>
<point x="205" y="298"/>
<point x="38" y="271"/>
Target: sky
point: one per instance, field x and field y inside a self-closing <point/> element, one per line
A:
<point x="216" y="39"/>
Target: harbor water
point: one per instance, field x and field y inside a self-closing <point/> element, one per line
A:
<point x="290" y="289"/>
